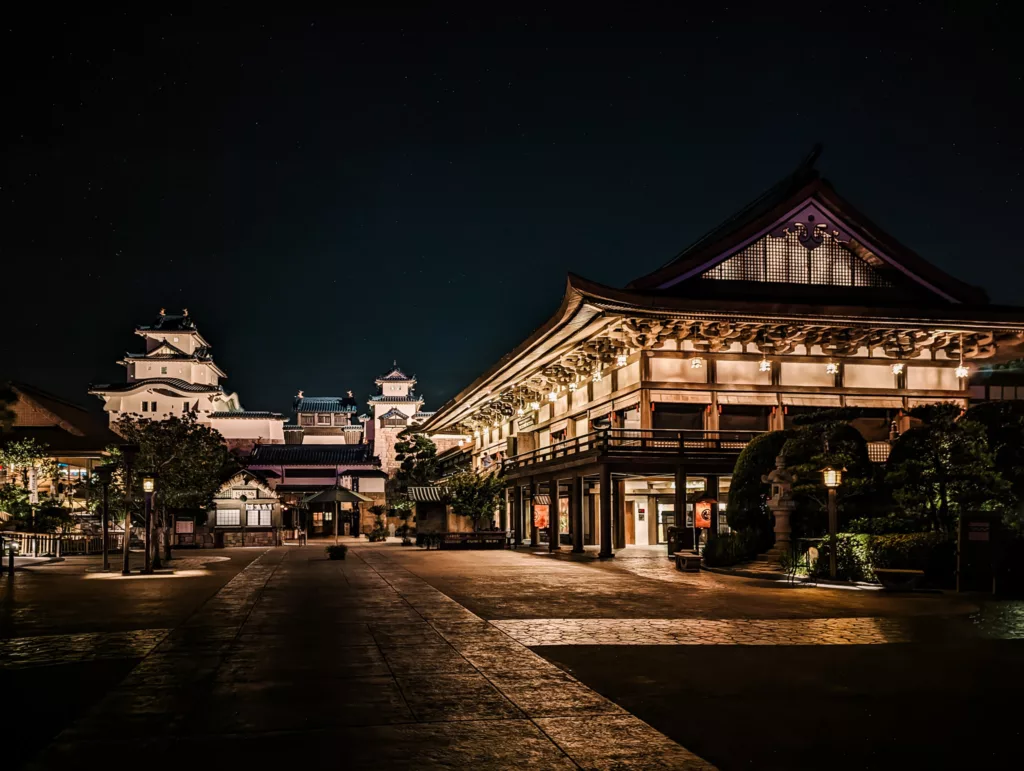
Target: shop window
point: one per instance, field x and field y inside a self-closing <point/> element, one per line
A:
<point x="258" y="515"/>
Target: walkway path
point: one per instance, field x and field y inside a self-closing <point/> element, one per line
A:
<point x="357" y="664"/>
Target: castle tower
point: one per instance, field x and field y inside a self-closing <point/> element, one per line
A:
<point x="393" y="409"/>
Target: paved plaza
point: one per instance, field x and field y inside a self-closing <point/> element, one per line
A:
<point x="402" y="658"/>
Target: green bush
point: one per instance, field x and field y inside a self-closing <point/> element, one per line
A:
<point x="732" y="548"/>
<point x="885" y="525"/>
<point x="337" y="552"/>
<point x="852" y="562"/>
<point x="933" y="553"/>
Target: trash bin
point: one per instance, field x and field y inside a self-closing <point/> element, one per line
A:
<point x="675" y="537"/>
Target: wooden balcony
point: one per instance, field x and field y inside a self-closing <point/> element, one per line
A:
<point x="696" y="449"/>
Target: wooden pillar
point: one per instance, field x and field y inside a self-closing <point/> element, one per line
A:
<point x="533" y="518"/>
<point x="606" y="512"/>
<point x="619" y="507"/>
<point x="680" y="498"/>
<point x="712" y="490"/>
<point x="576" y="513"/>
<point x="646" y="417"/>
<point x="517" y="515"/>
<point x="553" y="535"/>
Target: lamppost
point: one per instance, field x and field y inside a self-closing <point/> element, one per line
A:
<point x="105" y="474"/>
<point x="148" y="487"/>
<point x="243" y="515"/>
<point x="128" y="452"/>
<point x="832" y="477"/>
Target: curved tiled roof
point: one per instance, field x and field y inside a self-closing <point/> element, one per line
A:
<point x="247" y="414"/>
<point x="404" y="399"/>
<point x="169" y="323"/>
<point x="394" y="412"/>
<point x="172" y="382"/>
<point x="312" y="455"/>
<point x="326" y="404"/>
<point x="396" y="376"/>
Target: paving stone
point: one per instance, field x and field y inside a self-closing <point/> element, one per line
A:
<point x="455" y="697"/>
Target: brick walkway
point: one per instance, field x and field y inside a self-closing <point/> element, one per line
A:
<point x="358" y="664"/>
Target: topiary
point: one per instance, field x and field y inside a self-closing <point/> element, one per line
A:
<point x="747" y="493"/>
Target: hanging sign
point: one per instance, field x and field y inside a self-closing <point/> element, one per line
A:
<point x="702" y="514"/>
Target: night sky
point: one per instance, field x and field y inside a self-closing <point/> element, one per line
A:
<point x="327" y="194"/>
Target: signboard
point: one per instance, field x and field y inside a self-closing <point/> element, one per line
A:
<point x="978" y="531"/>
<point x="702" y="514"/>
<point x="528" y="420"/>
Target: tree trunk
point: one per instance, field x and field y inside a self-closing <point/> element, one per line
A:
<point x="167" y="543"/>
<point x="158" y="531"/>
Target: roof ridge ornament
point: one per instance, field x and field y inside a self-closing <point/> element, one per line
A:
<point x="814" y="222"/>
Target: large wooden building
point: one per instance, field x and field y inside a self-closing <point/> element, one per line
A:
<point x="628" y="402"/>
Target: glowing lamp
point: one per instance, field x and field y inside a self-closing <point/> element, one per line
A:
<point x="621" y="359"/>
<point x="832" y="477"/>
<point x="597" y="376"/>
<point x="832" y="368"/>
<point x="897" y="368"/>
<point x="552" y="396"/>
<point x="534" y="406"/>
<point x="764" y="365"/>
<point x="148" y="484"/>
<point x="696" y="362"/>
<point x="520" y="412"/>
<point x="962" y="371"/>
<point x="572" y="386"/>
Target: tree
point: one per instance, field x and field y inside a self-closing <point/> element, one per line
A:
<point x="189" y="460"/>
<point x="475" y="495"/>
<point x="747" y="493"/>
<point x="7" y="398"/>
<point x="1003" y="423"/>
<point x="28" y="462"/>
<point x="943" y="469"/>
<point x="418" y="467"/>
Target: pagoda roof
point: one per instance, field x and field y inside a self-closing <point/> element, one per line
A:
<point x="804" y="198"/>
<point x="392" y="399"/>
<point x="326" y="404"/>
<point x="169" y="382"/>
<point x="170" y="322"/>
<point x="394" y="412"/>
<point x="395" y="376"/>
<point x="64" y="427"/>
<point x="313" y="455"/>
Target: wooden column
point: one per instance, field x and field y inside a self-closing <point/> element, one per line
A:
<point x="645" y="392"/>
<point x="517" y="515"/>
<point x="712" y="490"/>
<point x="533" y="519"/>
<point x="553" y="537"/>
<point x="680" y="498"/>
<point x="576" y="513"/>
<point x="606" y="512"/>
<point x="619" y="507"/>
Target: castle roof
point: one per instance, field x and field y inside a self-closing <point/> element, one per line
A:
<point x="394" y="412"/>
<point x="170" y="382"/>
<point x="390" y="399"/>
<point x="169" y="322"/>
<point x="395" y="376"/>
<point x="312" y="455"/>
<point x="326" y="404"/>
<point x="248" y="414"/>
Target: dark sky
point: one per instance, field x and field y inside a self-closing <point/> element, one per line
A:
<point x="327" y="194"/>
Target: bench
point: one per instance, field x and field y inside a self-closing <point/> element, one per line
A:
<point x="897" y="579"/>
<point x="687" y="561"/>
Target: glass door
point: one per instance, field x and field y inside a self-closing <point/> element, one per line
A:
<point x="666" y="517"/>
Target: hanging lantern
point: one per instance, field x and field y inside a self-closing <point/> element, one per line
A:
<point x="597" y="376"/>
<point x="832" y="368"/>
<point x="520" y="412"/>
<point x="764" y="365"/>
<point x="572" y="386"/>
<point x="534" y="406"/>
<point x="696" y="363"/>
<point x="962" y="371"/>
<point x="552" y="396"/>
<point x="897" y="368"/>
<point x="832" y="477"/>
<point x="621" y="359"/>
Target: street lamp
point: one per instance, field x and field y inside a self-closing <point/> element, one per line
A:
<point x="128" y="452"/>
<point x="148" y="487"/>
<point x="832" y="478"/>
<point x="105" y="475"/>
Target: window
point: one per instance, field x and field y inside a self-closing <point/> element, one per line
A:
<point x="328" y="516"/>
<point x="184" y="526"/>
<point x="323" y="420"/>
<point x="306" y="420"/>
<point x="163" y="370"/>
<point x="145" y="406"/>
<point x="175" y="339"/>
<point x="184" y="407"/>
<point x="258" y="514"/>
<point x="229" y="517"/>
<point x="152" y="406"/>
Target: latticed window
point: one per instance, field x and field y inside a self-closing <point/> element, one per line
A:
<point x="787" y="261"/>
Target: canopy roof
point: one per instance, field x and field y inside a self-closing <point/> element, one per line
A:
<point x="337" y="495"/>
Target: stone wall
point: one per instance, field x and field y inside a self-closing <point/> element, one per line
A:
<point x="252" y="538"/>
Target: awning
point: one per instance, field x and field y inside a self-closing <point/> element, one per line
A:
<point x="810" y="400"/>
<point x="428" y="494"/>
<point x="762" y="400"/>
<point x="888" y="402"/>
<point x="542" y="499"/>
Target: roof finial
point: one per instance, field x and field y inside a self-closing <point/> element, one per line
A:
<point x="813" y="156"/>
<point x="299" y="394"/>
<point x="349" y="394"/>
<point x="394" y="362"/>
<point x="163" y="311"/>
<point x="184" y="311"/>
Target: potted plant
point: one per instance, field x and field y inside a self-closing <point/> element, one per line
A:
<point x="337" y="551"/>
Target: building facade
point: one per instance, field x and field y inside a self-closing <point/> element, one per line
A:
<point x="175" y="375"/>
<point x="628" y="405"/>
<point x="325" y="420"/>
<point x="394" y="408"/>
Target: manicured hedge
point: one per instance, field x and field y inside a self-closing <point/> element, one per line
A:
<point x="858" y="554"/>
<point x="731" y="548"/>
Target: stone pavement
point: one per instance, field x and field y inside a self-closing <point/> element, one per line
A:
<point x="358" y="664"/>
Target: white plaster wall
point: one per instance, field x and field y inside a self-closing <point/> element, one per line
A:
<point x="741" y="372"/>
<point x="629" y="375"/>
<point x="869" y="376"/>
<point x="371" y="485"/>
<point x="806" y="374"/>
<point x="677" y="371"/>
<point x="932" y="378"/>
<point x="270" y="431"/>
<point x="604" y="387"/>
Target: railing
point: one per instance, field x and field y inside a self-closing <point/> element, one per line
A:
<point x="56" y="545"/>
<point x="639" y="442"/>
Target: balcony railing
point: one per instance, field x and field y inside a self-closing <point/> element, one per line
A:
<point x="638" y="443"/>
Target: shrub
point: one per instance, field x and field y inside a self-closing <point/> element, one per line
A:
<point x="885" y="525"/>
<point x="747" y="492"/>
<point x="732" y="548"/>
<point x="852" y="562"/>
<point x="337" y="552"/>
<point x="933" y="553"/>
